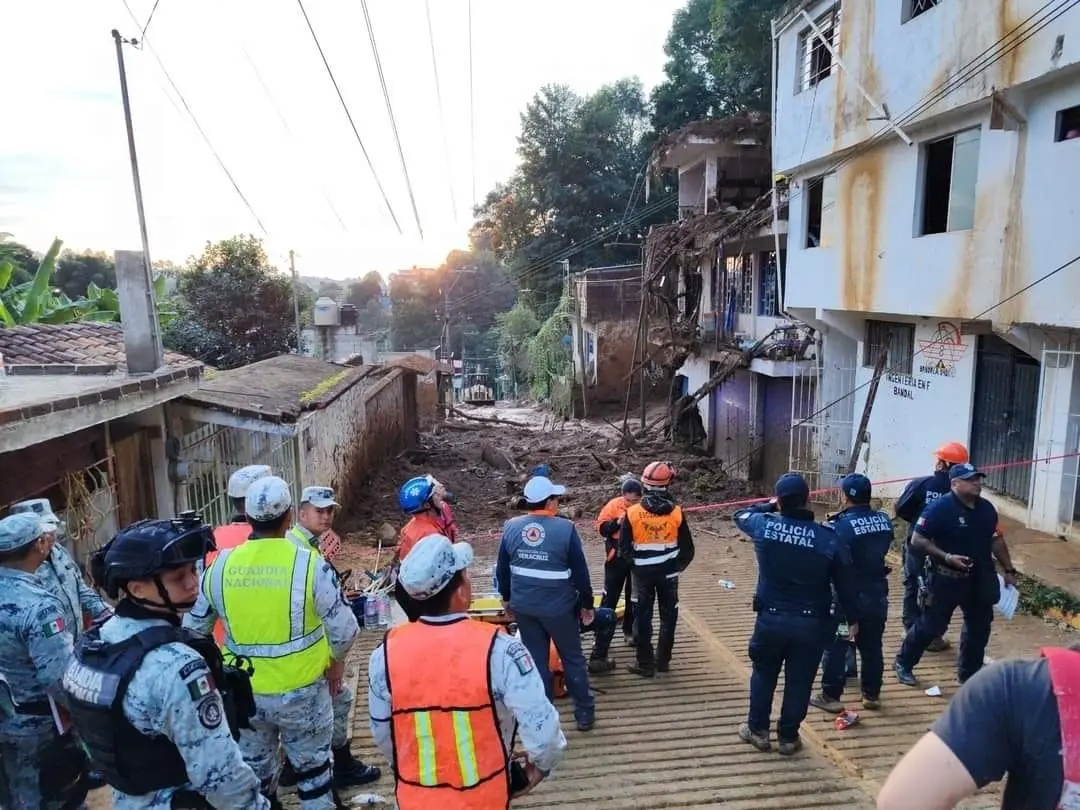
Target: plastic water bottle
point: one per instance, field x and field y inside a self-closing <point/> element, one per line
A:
<point x="384" y="610"/>
<point x="371" y="612"/>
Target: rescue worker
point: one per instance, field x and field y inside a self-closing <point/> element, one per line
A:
<point x="60" y="574"/>
<point x="154" y="704"/>
<point x="959" y="534"/>
<point x="418" y="498"/>
<point x="446" y="513"/>
<point x="35" y="647"/>
<point x="544" y="582"/>
<point x="617" y="571"/>
<point x="655" y="540"/>
<point x="430" y="677"/>
<point x="800" y="564"/>
<point x="314" y="520"/>
<point x="283" y="610"/>
<point x="868" y="535"/>
<point x="1014" y="718"/>
<point x="916" y="496"/>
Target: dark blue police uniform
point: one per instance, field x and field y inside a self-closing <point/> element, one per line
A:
<point x="799" y="561"/>
<point x="917" y="495"/>
<point x="956" y="529"/>
<point x="868" y="535"/>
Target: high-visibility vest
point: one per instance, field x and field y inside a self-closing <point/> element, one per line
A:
<point x="416" y="530"/>
<point x="1064" y="665"/>
<point x="448" y="749"/>
<point x="265" y="592"/>
<point x="656" y="537"/>
<point x="228" y="536"/>
<point x="615" y="509"/>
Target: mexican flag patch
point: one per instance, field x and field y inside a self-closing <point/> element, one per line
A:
<point x="53" y="627"/>
<point x="200" y="687"/>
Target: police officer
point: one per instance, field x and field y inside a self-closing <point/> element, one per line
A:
<point x="35" y="647"/>
<point x="237" y="530"/>
<point x="543" y="579"/>
<point x="153" y="703"/>
<point x="617" y="572"/>
<point x="915" y="497"/>
<point x="60" y="574"/>
<point x="868" y="535"/>
<point x="283" y="610"/>
<point x="959" y="534"/>
<point x="800" y="562"/>
<point x="314" y="520"/>
<point x="1016" y="718"/>
<point x="447" y="663"/>
<point x="655" y="538"/>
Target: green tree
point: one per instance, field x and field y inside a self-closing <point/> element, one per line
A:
<point x="23" y="261"/>
<point x="331" y="289"/>
<point x="367" y="289"/>
<point x="514" y="331"/>
<point x="234" y="307"/>
<point x="415" y="311"/>
<point x="75" y="272"/>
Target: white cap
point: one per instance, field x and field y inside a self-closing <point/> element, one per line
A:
<point x="320" y="497"/>
<point x="268" y="498"/>
<point x="243" y="478"/>
<point x="431" y="564"/>
<point x="538" y="489"/>
<point x="41" y="507"/>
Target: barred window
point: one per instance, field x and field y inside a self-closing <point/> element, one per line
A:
<point x="900" y="340"/>
<point x="815" y="59"/>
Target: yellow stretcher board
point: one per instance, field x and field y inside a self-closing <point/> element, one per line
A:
<point x="488" y="608"/>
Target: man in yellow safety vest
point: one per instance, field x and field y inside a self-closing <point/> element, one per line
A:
<point x="283" y="610"/>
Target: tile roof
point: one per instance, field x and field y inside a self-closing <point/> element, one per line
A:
<point x="73" y="343"/>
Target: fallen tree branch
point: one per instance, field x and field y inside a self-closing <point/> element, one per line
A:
<point x="490" y="420"/>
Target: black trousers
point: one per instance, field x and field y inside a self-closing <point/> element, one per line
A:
<point x="659" y="588"/>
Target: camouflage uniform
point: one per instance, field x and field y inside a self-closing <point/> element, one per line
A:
<point x="35" y="647"/>
<point x="164" y="698"/>
<point x="60" y="574"/>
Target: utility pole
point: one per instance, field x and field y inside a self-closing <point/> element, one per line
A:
<point x="643" y="327"/>
<point x="295" y="299"/>
<point x="138" y="188"/>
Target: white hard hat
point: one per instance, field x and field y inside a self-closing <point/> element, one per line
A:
<point x="243" y="478"/>
<point x="268" y="498"/>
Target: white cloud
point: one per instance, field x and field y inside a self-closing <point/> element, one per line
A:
<point x="64" y="162"/>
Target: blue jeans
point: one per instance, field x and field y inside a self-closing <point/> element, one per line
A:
<point x="793" y="644"/>
<point x="946" y="595"/>
<point x="834" y="665"/>
<point x="537" y="633"/>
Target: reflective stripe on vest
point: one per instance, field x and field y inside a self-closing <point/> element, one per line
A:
<point x="656" y="537"/>
<point x="448" y="747"/>
<point x="264" y="590"/>
<point x="536" y="573"/>
<point x="1064" y="668"/>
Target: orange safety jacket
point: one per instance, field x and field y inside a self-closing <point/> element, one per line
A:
<point x="656" y="537"/>
<point x="228" y="536"/>
<point x="448" y="749"/>
<point x="615" y="509"/>
<point x="416" y="530"/>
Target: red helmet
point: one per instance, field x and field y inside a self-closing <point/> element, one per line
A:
<point x="658" y="475"/>
<point x="952" y="453"/>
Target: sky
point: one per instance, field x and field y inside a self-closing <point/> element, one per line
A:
<point x="251" y="74"/>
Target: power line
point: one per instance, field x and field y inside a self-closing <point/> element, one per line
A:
<point x="198" y="126"/>
<point x="149" y="19"/>
<point x="442" y="117"/>
<point x="348" y="115"/>
<point x="472" y="111"/>
<point x="390" y="112"/>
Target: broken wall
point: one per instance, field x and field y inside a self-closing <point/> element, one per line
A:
<point x="614" y="349"/>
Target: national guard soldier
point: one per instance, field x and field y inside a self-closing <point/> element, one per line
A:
<point x="799" y="563"/>
<point x="35" y="647"/>
<point x="153" y="703"/>
<point x="314" y="520"/>
<point x="282" y="609"/>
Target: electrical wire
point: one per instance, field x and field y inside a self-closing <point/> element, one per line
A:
<point x="348" y="115"/>
<point x="149" y="19"/>
<point x="206" y="138"/>
<point x="442" y="117"/>
<point x="390" y="112"/>
<point x="472" y="110"/>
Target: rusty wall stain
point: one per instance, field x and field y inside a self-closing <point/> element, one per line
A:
<point x="956" y="303"/>
<point x="1012" y="276"/>
<point x="859" y="198"/>
<point x="853" y="111"/>
<point x="1008" y="18"/>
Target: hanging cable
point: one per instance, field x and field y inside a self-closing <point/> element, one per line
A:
<point x="442" y="117"/>
<point x="149" y="19"/>
<point x="472" y="113"/>
<point x="390" y="112"/>
<point x="348" y="115"/>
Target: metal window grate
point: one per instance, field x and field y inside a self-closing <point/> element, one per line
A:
<point x="815" y="59"/>
<point x="920" y="6"/>
<point x="900" y="338"/>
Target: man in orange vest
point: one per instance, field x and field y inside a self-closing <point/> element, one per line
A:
<point x="420" y="499"/>
<point x="617" y="571"/>
<point x="237" y="530"/>
<point x="444" y="672"/>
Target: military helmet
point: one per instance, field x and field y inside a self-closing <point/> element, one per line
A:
<point x="149" y="547"/>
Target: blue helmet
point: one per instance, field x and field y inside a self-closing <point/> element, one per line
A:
<point x="415" y="494"/>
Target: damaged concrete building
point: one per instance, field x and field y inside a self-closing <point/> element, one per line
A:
<point x="715" y="276"/>
<point x="933" y="222"/>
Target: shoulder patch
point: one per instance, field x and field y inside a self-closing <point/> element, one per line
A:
<point x="522" y="660"/>
<point x="200" y="687"/>
<point x="210" y="713"/>
<point x="54" y="627"/>
<point x="191" y="667"/>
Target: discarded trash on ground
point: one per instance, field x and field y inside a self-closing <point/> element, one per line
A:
<point x="369" y="800"/>
<point x="933" y="691"/>
<point x="726" y="584"/>
<point x="846" y="720"/>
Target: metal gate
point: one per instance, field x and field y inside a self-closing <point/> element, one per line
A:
<point x="217" y="451"/>
<point x="1056" y="471"/>
<point x="1004" y="416"/>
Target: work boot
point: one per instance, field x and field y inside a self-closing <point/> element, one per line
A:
<point x="644" y="670"/>
<point x="871" y="703"/>
<point x="905" y="675"/>
<point x="759" y="739"/>
<point x="351" y="772"/>
<point x="938" y="645"/>
<point x="790" y="747"/>
<point x="586" y="724"/>
<point x="601" y="666"/>
<point x="826" y="703"/>
<point x="629" y="640"/>
<point x="663" y="666"/>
